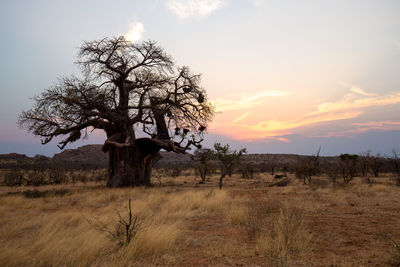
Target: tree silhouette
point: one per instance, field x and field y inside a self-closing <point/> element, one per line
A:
<point x="126" y="88"/>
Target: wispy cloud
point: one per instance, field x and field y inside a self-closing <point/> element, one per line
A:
<point x="356" y="89"/>
<point x="194" y="8"/>
<point x="246" y="102"/>
<point x="351" y="102"/>
<point x="363" y="127"/>
<point x="275" y="127"/>
<point x="242" y="117"/>
<point x="360" y="91"/>
<point x="282" y="139"/>
<point x="378" y="124"/>
<point x="340" y="117"/>
<point x="135" y="32"/>
<point x="350" y="106"/>
<point x="281" y="127"/>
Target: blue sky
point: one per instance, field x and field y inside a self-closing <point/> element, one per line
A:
<point x="285" y="76"/>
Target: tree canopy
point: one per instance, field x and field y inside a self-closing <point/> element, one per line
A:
<point x="125" y="88"/>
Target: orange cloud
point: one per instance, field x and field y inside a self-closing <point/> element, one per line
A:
<point x="273" y="128"/>
<point x="253" y="124"/>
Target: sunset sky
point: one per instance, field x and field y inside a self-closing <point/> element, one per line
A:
<point x="284" y="76"/>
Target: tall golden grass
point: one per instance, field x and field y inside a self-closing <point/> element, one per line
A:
<point x="190" y="224"/>
<point x="54" y="230"/>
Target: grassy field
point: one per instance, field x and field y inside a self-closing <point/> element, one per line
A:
<point x="247" y="223"/>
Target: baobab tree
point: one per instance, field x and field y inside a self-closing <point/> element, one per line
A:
<point x="125" y="88"/>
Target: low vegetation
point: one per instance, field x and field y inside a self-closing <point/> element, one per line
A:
<point x="99" y="226"/>
<point x="181" y="222"/>
<point x="313" y="211"/>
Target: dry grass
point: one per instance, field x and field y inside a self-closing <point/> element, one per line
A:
<point x="237" y="214"/>
<point x="152" y="241"/>
<point x="55" y="230"/>
<point x="184" y="224"/>
<point x="380" y="188"/>
<point x="278" y="229"/>
<point x="285" y="236"/>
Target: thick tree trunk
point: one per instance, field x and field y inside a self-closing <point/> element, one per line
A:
<point x="131" y="159"/>
<point x="121" y="168"/>
<point x="127" y="167"/>
<point x="130" y="162"/>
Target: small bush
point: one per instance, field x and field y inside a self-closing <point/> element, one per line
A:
<point x="123" y="230"/>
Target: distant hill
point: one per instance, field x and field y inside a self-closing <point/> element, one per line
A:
<point x="88" y="154"/>
<point x="92" y="156"/>
<point x="13" y="159"/>
<point x="14" y="156"/>
<point x="283" y="159"/>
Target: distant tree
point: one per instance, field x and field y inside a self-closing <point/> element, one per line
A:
<point x="247" y="169"/>
<point x="271" y="163"/>
<point x="12" y="177"/>
<point x="363" y="159"/>
<point x="126" y="87"/>
<point x="307" y="167"/>
<point x="395" y="161"/>
<point x="203" y="158"/>
<point x="57" y="175"/>
<point x="39" y="171"/>
<point x="348" y="164"/>
<point x="176" y="170"/>
<point x="333" y="172"/>
<point x="228" y="159"/>
<point x="376" y="164"/>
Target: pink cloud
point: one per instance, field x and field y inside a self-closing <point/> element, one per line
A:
<point x="283" y="140"/>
